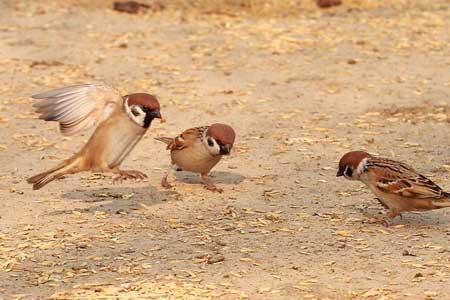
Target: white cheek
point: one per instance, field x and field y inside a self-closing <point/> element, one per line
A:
<point x="214" y="149"/>
<point x="140" y="114"/>
<point x="360" y="169"/>
<point x="140" y="118"/>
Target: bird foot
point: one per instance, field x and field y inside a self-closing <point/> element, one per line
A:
<point x="378" y="220"/>
<point x="211" y="187"/>
<point x="130" y="174"/>
<point x="165" y="183"/>
<point x="382" y="203"/>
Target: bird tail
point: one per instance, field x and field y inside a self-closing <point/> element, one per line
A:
<point x="444" y="201"/>
<point x="165" y="140"/>
<point x="41" y="179"/>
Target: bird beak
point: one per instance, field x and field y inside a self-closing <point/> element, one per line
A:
<point x="225" y="149"/>
<point x="156" y="114"/>
<point x="340" y="173"/>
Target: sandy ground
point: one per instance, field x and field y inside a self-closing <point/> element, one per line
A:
<point x="299" y="91"/>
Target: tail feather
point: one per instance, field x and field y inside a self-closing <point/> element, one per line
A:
<point x="165" y="140"/>
<point x="41" y="179"/>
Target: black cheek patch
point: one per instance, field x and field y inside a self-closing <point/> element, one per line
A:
<point x="148" y="120"/>
<point x="348" y="172"/>
<point x="149" y="117"/>
<point x="135" y="113"/>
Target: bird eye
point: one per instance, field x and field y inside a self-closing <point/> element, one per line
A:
<point x="210" y="142"/>
<point x="348" y="172"/>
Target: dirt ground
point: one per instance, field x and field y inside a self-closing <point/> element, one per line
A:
<point x="300" y="91"/>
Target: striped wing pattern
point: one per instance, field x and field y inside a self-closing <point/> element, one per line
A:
<point x="77" y="108"/>
<point x="399" y="178"/>
<point x="188" y="137"/>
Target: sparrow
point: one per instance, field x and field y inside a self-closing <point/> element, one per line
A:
<point x="120" y="121"/>
<point x="397" y="186"/>
<point x="198" y="150"/>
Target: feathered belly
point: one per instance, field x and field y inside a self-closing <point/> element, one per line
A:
<point x="112" y="142"/>
<point x="119" y="150"/>
<point x="198" y="160"/>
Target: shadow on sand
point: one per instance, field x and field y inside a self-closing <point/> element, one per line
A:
<point x="217" y="177"/>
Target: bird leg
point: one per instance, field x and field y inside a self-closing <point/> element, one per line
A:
<point x="209" y="185"/>
<point x="382" y="203"/>
<point x="374" y="219"/>
<point x="165" y="181"/>
<point x="393" y="213"/>
<point x="127" y="174"/>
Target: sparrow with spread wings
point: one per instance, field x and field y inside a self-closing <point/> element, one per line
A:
<point x="398" y="186"/>
<point x="120" y="121"/>
<point x="199" y="149"/>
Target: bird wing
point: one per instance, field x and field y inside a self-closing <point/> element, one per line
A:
<point x="187" y="138"/>
<point x="78" y="107"/>
<point x="398" y="178"/>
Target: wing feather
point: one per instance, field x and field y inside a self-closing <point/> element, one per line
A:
<point x="185" y="139"/>
<point x="188" y="137"/>
<point x="78" y="107"/>
<point x="401" y="179"/>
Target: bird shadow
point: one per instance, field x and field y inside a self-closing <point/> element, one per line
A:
<point x="119" y="199"/>
<point x="420" y="219"/>
<point x="413" y="219"/>
<point x="219" y="177"/>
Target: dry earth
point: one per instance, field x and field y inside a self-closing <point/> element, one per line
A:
<point x="300" y="92"/>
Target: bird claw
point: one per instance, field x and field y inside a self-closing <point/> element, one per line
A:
<point x="132" y="174"/>
<point x="213" y="188"/>
<point x="165" y="183"/>
<point x="386" y="222"/>
<point x="379" y="220"/>
<point x="383" y="221"/>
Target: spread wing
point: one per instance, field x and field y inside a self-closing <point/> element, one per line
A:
<point x="77" y="108"/>
<point x="398" y="178"/>
<point x="185" y="139"/>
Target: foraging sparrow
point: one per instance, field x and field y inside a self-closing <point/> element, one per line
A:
<point x="199" y="149"/>
<point x="397" y="186"/>
<point x="121" y="122"/>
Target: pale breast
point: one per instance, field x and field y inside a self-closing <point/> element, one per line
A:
<point x="391" y="200"/>
<point x="195" y="159"/>
<point x="113" y="140"/>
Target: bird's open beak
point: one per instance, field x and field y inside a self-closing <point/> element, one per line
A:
<point x="225" y="149"/>
<point x="340" y="173"/>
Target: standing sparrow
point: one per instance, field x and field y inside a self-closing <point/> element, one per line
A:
<point x="398" y="187"/>
<point x="199" y="149"/>
<point x="121" y="122"/>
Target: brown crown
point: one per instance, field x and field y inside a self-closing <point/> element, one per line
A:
<point x="143" y="99"/>
<point x="223" y="133"/>
<point x="352" y="158"/>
